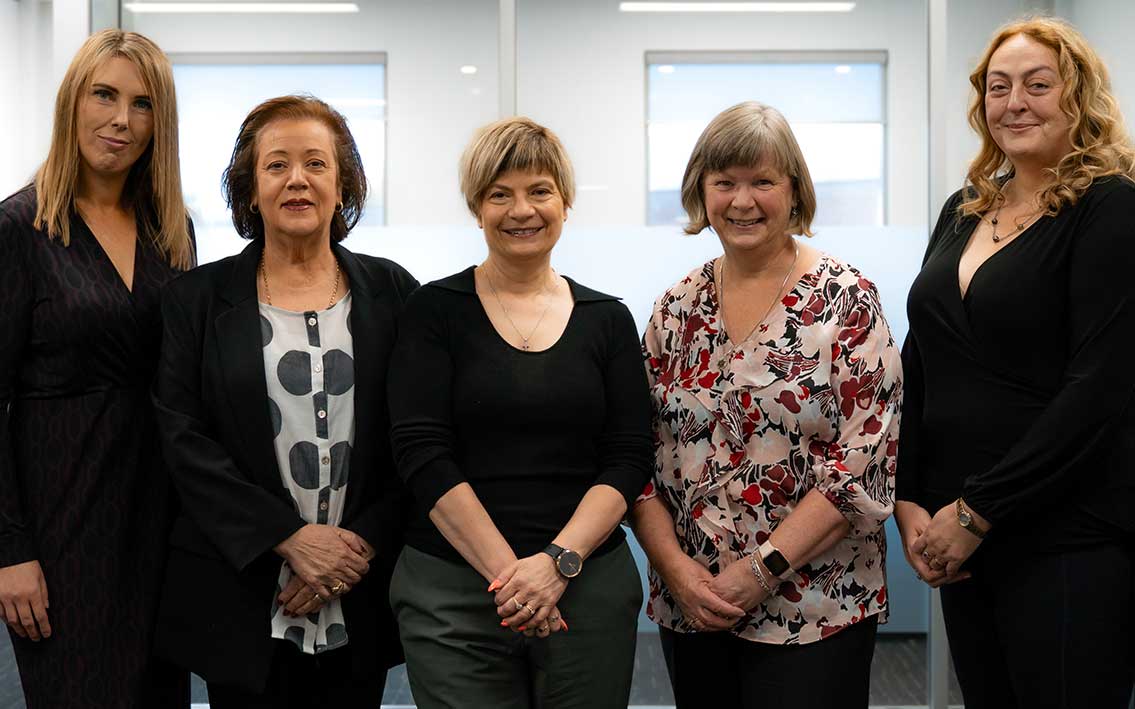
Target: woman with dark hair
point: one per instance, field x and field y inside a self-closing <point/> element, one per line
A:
<point x="85" y="502"/>
<point x="1015" y="489"/>
<point x="270" y="403"/>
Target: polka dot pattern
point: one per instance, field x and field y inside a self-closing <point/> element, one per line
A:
<point x="308" y="358"/>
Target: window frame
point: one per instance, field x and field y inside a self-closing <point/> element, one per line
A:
<point x="679" y="57"/>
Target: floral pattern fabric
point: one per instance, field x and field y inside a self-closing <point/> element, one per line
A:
<point x="811" y="400"/>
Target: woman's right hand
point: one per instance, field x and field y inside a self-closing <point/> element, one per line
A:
<point x="23" y="595"/>
<point x="688" y="582"/>
<point x="912" y="520"/>
<point x="323" y="556"/>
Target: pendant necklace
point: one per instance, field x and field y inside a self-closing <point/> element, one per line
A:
<point x="523" y="338"/>
<point x="720" y="286"/>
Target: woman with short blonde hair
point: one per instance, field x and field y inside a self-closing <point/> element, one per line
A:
<point x="85" y="513"/>
<point x="1014" y="493"/>
<point x="521" y="427"/>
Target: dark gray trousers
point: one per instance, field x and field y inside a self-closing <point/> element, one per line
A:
<point x="458" y="656"/>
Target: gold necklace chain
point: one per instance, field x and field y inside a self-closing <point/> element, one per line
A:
<point x="268" y="293"/>
<point x="776" y="298"/>
<point x="997" y="213"/>
<point x="500" y="303"/>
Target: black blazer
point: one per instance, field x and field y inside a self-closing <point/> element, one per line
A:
<point x="212" y="408"/>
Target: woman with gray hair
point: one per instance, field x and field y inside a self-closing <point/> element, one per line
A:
<point x="521" y="426"/>
<point x="776" y="389"/>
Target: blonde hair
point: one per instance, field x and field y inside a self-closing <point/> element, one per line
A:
<point x="516" y="143"/>
<point x="746" y="135"/>
<point x="153" y="186"/>
<point x="1100" y="144"/>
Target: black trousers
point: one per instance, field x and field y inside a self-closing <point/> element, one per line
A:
<point x="722" y="670"/>
<point x="1049" y="630"/>
<point x="299" y="681"/>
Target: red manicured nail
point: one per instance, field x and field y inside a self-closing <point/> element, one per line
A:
<point x="504" y="624"/>
<point x="523" y="628"/>
<point x="495" y="585"/>
<point x="563" y="624"/>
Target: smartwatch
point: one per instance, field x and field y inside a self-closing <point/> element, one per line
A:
<point x="568" y="562"/>
<point x="774" y="561"/>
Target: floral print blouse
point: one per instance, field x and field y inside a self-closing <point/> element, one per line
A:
<point x="811" y="400"/>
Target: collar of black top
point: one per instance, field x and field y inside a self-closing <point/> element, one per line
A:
<point x="463" y="282"/>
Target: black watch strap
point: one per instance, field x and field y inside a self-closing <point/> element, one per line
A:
<point x="553" y="550"/>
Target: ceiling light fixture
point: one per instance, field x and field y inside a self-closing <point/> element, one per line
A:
<point x="241" y="8"/>
<point x="468" y="69"/>
<point x="736" y="6"/>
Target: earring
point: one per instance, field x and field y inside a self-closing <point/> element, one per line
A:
<point x="795" y="211"/>
<point x="339" y="207"/>
<point x="253" y="208"/>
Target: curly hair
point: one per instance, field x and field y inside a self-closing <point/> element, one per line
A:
<point x="239" y="180"/>
<point x="1100" y="144"/>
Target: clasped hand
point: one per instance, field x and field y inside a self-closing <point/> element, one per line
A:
<point x="327" y="561"/>
<point x="527" y="592"/>
<point x="713" y="603"/>
<point x="23" y="595"/>
<point x="935" y="547"/>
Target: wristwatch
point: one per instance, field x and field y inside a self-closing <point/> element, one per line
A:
<point x="965" y="519"/>
<point x="774" y="561"/>
<point x="568" y="562"/>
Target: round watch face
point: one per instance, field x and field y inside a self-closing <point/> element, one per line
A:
<point x="965" y="519"/>
<point x="569" y="563"/>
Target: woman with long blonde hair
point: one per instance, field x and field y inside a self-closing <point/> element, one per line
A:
<point x="1015" y="493"/>
<point x="85" y="508"/>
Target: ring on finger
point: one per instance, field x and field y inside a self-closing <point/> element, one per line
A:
<point x="553" y="619"/>
<point x="543" y="628"/>
<point x="926" y="556"/>
<point x="529" y="609"/>
<point x="517" y="603"/>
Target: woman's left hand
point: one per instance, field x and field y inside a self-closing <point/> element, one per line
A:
<point x="737" y="585"/>
<point x="528" y="590"/>
<point x="299" y="599"/>
<point x="946" y="544"/>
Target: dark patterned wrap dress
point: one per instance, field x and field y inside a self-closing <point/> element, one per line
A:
<point x="82" y="485"/>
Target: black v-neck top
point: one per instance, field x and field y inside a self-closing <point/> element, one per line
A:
<point x="1018" y="396"/>
<point x="531" y="432"/>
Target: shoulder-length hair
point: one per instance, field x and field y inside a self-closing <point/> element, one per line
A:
<point x="1100" y="144"/>
<point x="153" y="185"/>
<point x="746" y="135"/>
<point x="239" y="180"/>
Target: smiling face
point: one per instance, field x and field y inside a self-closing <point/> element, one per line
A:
<point x="297" y="179"/>
<point x="522" y="214"/>
<point x="1022" y="103"/>
<point x="748" y="207"/>
<point x="115" y="119"/>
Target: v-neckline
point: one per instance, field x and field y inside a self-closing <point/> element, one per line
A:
<point x="963" y="295"/>
<point x="816" y="267"/>
<point x="130" y="289"/>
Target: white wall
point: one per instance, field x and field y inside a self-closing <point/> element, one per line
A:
<point x="581" y="70"/>
<point x="1107" y="25"/>
<point x="432" y="109"/>
<point x="25" y="74"/>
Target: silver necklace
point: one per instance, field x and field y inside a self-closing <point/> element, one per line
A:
<point x="1020" y="226"/>
<point x="524" y="339"/>
<point x="720" y="285"/>
<point x="268" y="293"/>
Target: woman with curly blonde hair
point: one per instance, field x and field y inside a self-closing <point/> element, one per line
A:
<point x="1015" y="494"/>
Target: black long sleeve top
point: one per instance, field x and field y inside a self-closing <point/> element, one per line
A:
<point x="531" y="432"/>
<point x="1018" y="396"/>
